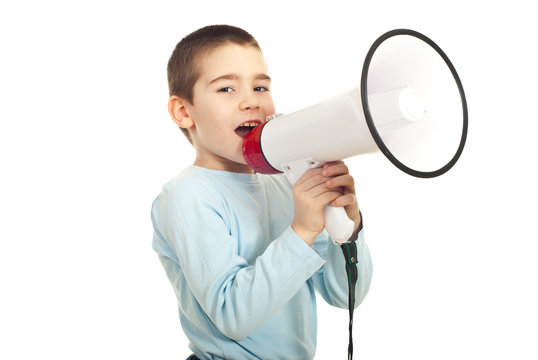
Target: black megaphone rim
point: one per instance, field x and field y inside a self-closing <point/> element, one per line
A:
<point x="368" y="115"/>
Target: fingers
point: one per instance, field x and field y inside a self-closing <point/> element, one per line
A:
<point x="341" y="180"/>
<point x="332" y="183"/>
<point x="329" y="197"/>
<point x="345" y="182"/>
<point x="318" y="194"/>
<point x="312" y="185"/>
<point x="311" y="179"/>
<point x="315" y="176"/>
<point x="344" y="200"/>
<point x="335" y="168"/>
<point x="346" y="185"/>
<point x="309" y="174"/>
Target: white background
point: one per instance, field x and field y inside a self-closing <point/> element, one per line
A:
<point x="86" y="143"/>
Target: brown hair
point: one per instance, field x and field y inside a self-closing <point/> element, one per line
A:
<point x="182" y="68"/>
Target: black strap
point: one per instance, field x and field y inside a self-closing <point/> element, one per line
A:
<point x="350" y="253"/>
<point x="349" y="249"/>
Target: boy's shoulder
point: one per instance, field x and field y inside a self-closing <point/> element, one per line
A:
<point x="189" y="181"/>
<point x="189" y="189"/>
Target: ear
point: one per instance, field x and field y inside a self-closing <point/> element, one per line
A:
<point x="179" y="113"/>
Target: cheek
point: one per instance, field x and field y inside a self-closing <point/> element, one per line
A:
<point x="268" y="107"/>
<point x="216" y="122"/>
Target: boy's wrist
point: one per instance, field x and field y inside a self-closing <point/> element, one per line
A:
<point x="307" y="236"/>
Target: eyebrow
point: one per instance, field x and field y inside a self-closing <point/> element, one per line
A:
<point x="235" y="77"/>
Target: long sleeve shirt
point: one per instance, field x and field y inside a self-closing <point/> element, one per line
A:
<point x="244" y="281"/>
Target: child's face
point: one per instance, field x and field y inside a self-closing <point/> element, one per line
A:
<point x="233" y="89"/>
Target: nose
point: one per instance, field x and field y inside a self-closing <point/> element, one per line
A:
<point x="249" y="102"/>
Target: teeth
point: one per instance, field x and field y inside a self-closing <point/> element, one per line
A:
<point x="250" y="124"/>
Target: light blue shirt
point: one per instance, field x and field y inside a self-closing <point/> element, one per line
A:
<point x="243" y="279"/>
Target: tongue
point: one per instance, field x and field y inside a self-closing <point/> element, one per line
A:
<point x="243" y="131"/>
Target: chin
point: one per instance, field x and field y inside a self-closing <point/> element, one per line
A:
<point x="242" y="161"/>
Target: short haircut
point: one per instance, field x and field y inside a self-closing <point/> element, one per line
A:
<point x="183" y="70"/>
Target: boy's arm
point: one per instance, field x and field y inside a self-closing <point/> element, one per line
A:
<point x="332" y="185"/>
<point x="237" y="298"/>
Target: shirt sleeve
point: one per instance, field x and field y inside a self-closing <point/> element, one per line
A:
<point x="237" y="297"/>
<point x="331" y="280"/>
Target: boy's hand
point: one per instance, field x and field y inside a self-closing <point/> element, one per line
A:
<point x="342" y="180"/>
<point x="330" y="184"/>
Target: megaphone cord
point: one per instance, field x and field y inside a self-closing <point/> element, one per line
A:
<point x="350" y="253"/>
<point x="349" y="249"/>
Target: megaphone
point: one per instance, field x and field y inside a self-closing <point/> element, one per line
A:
<point x="410" y="105"/>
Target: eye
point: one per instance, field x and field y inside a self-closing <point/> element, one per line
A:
<point x="261" y="88"/>
<point x="226" y="89"/>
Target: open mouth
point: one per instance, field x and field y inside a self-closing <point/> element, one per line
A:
<point x="245" y="128"/>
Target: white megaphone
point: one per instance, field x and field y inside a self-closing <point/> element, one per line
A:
<point x="410" y="105"/>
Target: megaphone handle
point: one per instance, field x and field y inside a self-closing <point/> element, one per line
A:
<point x="337" y="223"/>
<point x="339" y="226"/>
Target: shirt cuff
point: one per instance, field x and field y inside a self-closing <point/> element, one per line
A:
<point x="301" y="249"/>
<point x="355" y="234"/>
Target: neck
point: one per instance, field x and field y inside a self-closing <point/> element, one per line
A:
<point x="223" y="165"/>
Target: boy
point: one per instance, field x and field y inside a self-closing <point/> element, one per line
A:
<point x="244" y="251"/>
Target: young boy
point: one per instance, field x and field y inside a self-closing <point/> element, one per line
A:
<point x="244" y="251"/>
